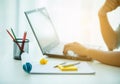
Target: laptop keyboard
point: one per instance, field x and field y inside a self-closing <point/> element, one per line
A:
<point x="57" y="50"/>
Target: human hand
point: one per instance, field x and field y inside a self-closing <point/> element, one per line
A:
<point x="108" y="6"/>
<point x="77" y="48"/>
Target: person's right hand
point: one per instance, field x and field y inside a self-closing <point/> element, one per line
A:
<point x="109" y="6"/>
<point x="77" y="48"/>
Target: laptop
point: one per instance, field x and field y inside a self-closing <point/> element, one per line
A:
<point x="46" y="36"/>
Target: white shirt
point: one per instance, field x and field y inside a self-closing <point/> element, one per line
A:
<point x="118" y="34"/>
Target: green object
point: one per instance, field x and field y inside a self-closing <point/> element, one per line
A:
<point x="13" y="34"/>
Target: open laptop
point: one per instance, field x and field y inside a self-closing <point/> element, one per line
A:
<point x="45" y="34"/>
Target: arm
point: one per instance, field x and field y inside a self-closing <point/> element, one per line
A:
<point x="106" y="57"/>
<point x="109" y="35"/>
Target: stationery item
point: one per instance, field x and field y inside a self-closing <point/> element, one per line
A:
<point x="59" y="64"/>
<point x="82" y="68"/>
<point x="65" y="64"/>
<point x="67" y="68"/>
<point x="23" y="41"/>
<point x="33" y="67"/>
<point x="26" y="63"/>
<point x="19" y="44"/>
<point x="72" y="64"/>
<point x="14" y="39"/>
<point x="13" y="33"/>
<point x="16" y="51"/>
<point x="43" y="61"/>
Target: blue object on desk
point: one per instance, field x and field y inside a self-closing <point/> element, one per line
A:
<point x="26" y="63"/>
<point x="27" y="67"/>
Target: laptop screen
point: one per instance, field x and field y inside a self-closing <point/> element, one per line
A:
<point x="42" y="28"/>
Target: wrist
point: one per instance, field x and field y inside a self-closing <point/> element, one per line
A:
<point x="102" y="13"/>
<point x="87" y="52"/>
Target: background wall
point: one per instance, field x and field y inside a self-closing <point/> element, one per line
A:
<point x="8" y="19"/>
<point x="75" y="20"/>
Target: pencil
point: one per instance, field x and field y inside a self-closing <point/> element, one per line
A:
<point x="23" y="41"/>
<point x="14" y="39"/>
<point x="13" y="33"/>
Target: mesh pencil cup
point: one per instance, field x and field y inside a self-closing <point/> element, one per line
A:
<point x="16" y="50"/>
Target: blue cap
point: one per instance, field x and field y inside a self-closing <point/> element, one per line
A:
<point x="27" y="67"/>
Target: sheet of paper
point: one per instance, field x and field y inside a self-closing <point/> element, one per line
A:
<point x="83" y="68"/>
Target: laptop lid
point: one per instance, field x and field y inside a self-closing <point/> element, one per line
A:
<point x="42" y="28"/>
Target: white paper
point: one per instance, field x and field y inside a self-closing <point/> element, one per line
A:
<point x="37" y="68"/>
<point x="83" y="68"/>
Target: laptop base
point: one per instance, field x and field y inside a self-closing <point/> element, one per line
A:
<point x="69" y="57"/>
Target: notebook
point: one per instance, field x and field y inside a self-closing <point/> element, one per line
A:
<point x="46" y="36"/>
<point x="33" y="66"/>
<point x="83" y="68"/>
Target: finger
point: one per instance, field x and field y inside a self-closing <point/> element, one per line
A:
<point x="66" y="49"/>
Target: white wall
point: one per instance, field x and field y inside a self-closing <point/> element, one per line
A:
<point x="76" y="20"/>
<point x="7" y="20"/>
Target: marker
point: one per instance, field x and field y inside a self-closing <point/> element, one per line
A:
<point x="26" y="64"/>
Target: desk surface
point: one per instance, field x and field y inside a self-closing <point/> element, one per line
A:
<point x="11" y="72"/>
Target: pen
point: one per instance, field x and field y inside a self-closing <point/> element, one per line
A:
<point x="68" y="65"/>
<point x="59" y="64"/>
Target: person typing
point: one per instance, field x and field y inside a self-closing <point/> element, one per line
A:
<point x="111" y="38"/>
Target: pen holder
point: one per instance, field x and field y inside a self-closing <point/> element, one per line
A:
<point x="16" y="49"/>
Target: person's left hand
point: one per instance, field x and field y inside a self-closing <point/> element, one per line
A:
<point x="77" y="48"/>
<point x="109" y="6"/>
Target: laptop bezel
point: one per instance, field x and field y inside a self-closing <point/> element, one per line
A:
<point x="55" y="42"/>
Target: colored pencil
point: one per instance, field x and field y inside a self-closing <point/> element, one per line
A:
<point x="14" y="39"/>
<point x="13" y="34"/>
<point x="23" y="41"/>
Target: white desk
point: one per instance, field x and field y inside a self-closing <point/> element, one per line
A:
<point x="11" y="72"/>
